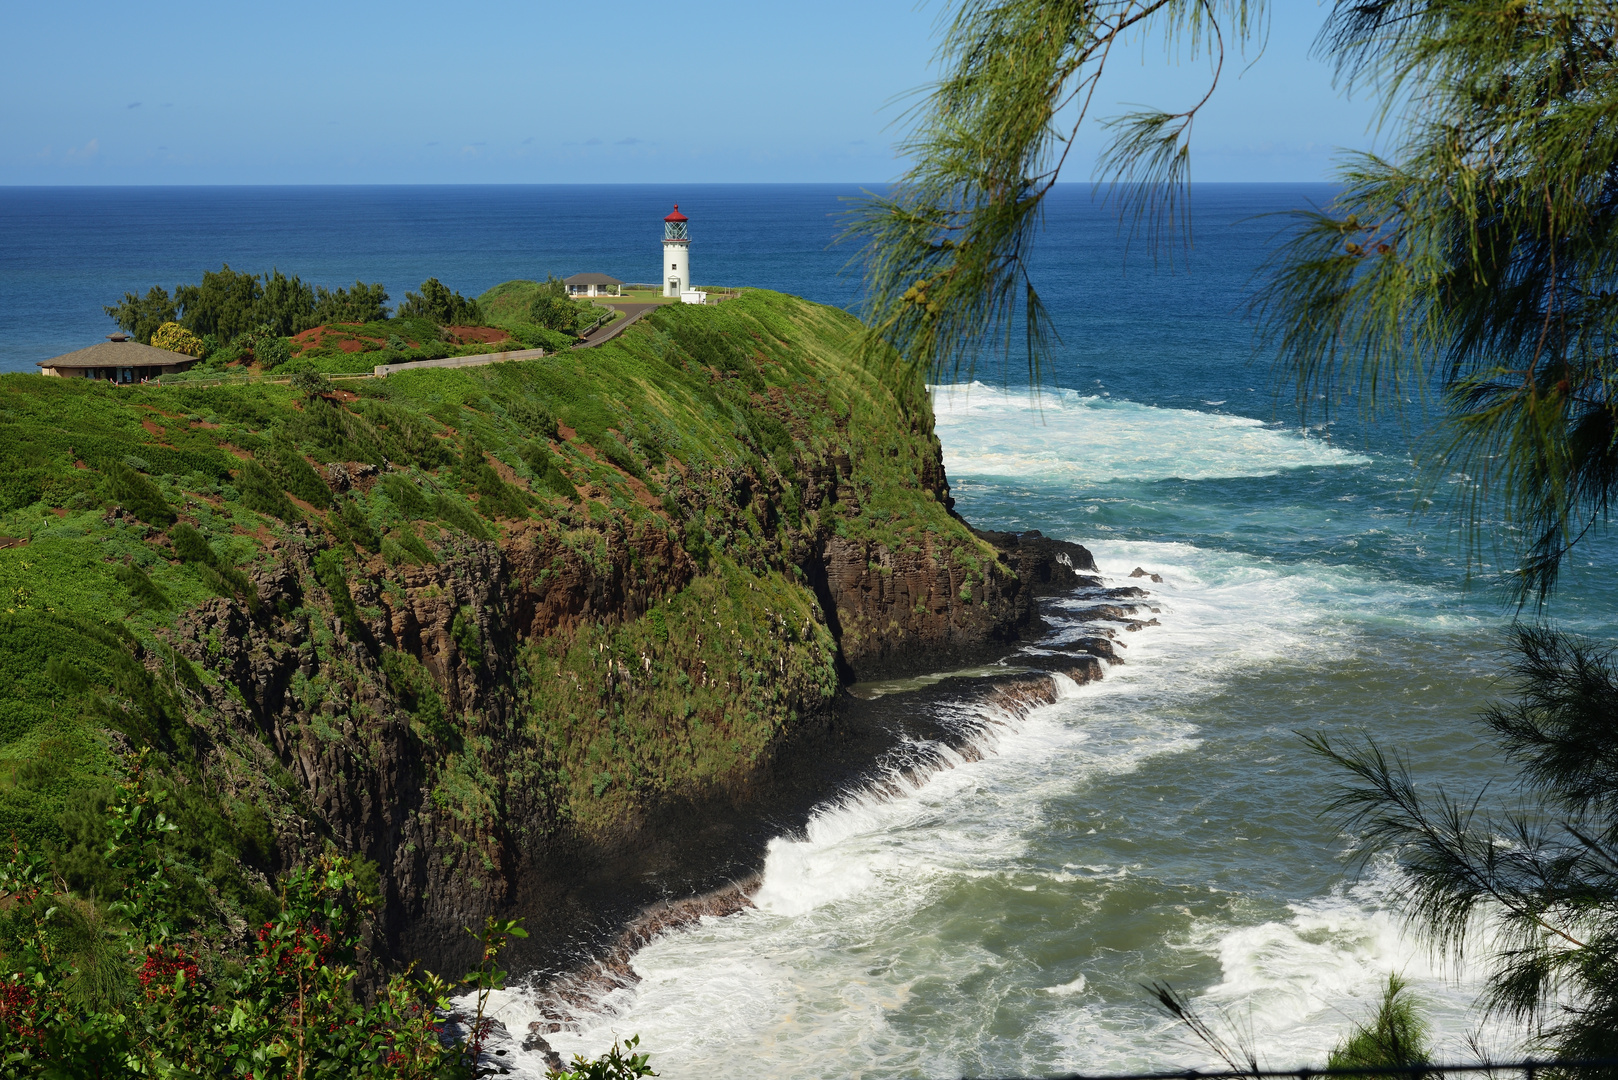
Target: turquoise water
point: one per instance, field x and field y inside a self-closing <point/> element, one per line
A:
<point x="1000" y="916"/>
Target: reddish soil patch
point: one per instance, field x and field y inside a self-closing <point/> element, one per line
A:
<point x="486" y="335"/>
<point x="204" y="424"/>
<point x="347" y="338"/>
<point x="151" y="428"/>
<point x="343" y="338"/>
<point x="12" y="541"/>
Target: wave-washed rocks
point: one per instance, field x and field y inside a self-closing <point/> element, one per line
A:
<point x="885" y="747"/>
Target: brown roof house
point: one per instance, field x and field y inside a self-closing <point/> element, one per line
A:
<point x="118" y="360"/>
<point x="593" y="285"/>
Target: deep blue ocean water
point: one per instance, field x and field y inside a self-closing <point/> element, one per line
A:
<point x="1000" y="917"/>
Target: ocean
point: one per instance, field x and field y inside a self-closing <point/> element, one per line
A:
<point x="1001" y="916"/>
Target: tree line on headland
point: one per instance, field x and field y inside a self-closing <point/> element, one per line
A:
<point x="232" y="318"/>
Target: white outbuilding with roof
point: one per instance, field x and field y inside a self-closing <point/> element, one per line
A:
<point x="593" y="285"/>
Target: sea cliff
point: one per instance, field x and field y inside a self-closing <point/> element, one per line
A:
<point x="552" y="638"/>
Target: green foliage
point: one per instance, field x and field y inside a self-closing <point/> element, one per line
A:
<point x="219" y="574"/>
<point x="406" y="496"/>
<point x="141" y="316"/>
<point x="413" y="686"/>
<point x="615" y="1064"/>
<point x="151" y="1005"/>
<point x="264" y="308"/>
<point x="450" y="509"/>
<point x="1548" y="888"/>
<point x="438" y="303"/>
<point x="946" y="255"/>
<point x="142" y="589"/>
<point x="548" y="475"/>
<point x="263" y="493"/>
<point x="293" y="472"/>
<point x="496" y="498"/>
<point x="270" y="350"/>
<point x="465" y="632"/>
<point x="332" y="573"/>
<point x="361" y="304"/>
<point x="551" y="308"/>
<point x="1475" y="257"/>
<point x="312" y="384"/>
<point x="227" y="304"/>
<point x="1396" y="1035"/>
<point x="357" y="528"/>
<point x="138" y="495"/>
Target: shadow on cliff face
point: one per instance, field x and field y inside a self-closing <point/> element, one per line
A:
<point x="594" y="901"/>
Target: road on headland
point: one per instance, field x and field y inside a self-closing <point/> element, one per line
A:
<point x="632" y="312"/>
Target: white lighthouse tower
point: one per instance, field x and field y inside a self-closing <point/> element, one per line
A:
<point x="676" y="255"/>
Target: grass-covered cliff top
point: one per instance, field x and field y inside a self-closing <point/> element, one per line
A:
<point x="128" y="510"/>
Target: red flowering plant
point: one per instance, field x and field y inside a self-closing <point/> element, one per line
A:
<point x="289" y="1011"/>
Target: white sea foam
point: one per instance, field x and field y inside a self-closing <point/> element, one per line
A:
<point x="853" y="941"/>
<point x="1066" y="436"/>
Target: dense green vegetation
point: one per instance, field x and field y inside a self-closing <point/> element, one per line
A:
<point x="177" y="536"/>
<point x="229" y="304"/>
<point x="438" y="304"/>
<point x="234" y="318"/>
<point x="538" y="312"/>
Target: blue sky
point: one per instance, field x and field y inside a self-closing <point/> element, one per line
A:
<point x="298" y="92"/>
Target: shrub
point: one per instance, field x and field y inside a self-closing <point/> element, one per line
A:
<point x="176" y="338"/>
<point x="465" y="633"/>
<point x="542" y="462"/>
<point x="138" y="495"/>
<point x="406" y="496"/>
<point x="142" y="588"/>
<point x="217" y="573"/>
<point x="438" y="303"/>
<point x="496" y="498"/>
<point x="358" y="527"/>
<point x="262" y="493"/>
<point x="449" y="509"/>
<point x="272" y="351"/>
<point x="294" y="473"/>
<point x="145" y="1001"/>
<point x="413" y="686"/>
<point x="331" y="571"/>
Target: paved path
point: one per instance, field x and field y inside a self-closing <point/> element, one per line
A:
<point x="632" y="313"/>
<point x="478" y="360"/>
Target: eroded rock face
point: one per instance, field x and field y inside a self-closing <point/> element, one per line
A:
<point x="362" y="772"/>
<point x="931" y="607"/>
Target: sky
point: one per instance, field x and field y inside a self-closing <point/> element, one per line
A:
<point x="484" y="91"/>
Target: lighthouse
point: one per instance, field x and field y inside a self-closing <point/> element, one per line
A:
<point x="676" y="255"/>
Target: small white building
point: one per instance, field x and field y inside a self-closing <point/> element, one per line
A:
<point x="582" y="285"/>
<point x="677" y="256"/>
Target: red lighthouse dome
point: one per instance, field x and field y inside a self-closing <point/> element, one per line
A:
<point x="676" y="216"/>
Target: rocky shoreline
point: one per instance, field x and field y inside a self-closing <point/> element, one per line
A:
<point x="708" y="860"/>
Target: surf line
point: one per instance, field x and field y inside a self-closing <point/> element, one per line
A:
<point x="1084" y="633"/>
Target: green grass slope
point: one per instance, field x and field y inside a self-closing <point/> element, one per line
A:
<point x="546" y="594"/>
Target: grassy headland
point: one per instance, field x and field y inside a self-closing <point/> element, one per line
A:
<point x="440" y="619"/>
